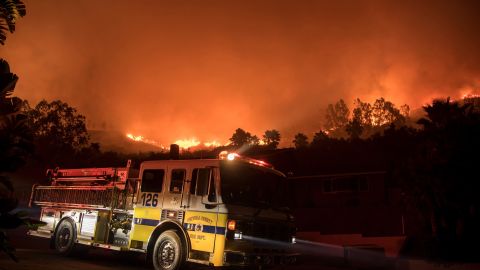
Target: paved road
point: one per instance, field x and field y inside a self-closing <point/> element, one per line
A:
<point x="34" y="253"/>
<point x="101" y="260"/>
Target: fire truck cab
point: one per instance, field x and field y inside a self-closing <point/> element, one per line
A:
<point x="229" y="211"/>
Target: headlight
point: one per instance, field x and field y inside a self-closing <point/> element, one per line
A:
<point x="237" y="235"/>
<point x="294" y="240"/>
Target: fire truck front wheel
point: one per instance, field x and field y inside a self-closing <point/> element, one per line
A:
<point x="168" y="253"/>
<point x="65" y="237"/>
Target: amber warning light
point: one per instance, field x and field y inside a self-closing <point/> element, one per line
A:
<point x="231" y="225"/>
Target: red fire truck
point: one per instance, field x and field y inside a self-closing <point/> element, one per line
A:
<point x="228" y="211"/>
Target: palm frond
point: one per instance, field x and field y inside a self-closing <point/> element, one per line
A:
<point x="22" y="9"/>
<point x="8" y="80"/>
<point x="4" y="66"/>
<point x="7" y="84"/>
<point x="3" y="32"/>
<point x="10" y="11"/>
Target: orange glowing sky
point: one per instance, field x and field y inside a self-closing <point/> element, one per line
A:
<point x="171" y="70"/>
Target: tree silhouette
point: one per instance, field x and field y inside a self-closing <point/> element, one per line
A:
<point x="241" y="137"/>
<point x="384" y="113"/>
<point x="10" y="12"/>
<point x="441" y="114"/>
<point x="362" y="113"/>
<point x="254" y="140"/>
<point x="58" y="124"/>
<point x="8" y="105"/>
<point x="15" y="137"/>
<point x="354" y="129"/>
<point x="319" y="137"/>
<point x="271" y="138"/>
<point x="336" y="116"/>
<point x="369" y="119"/>
<point x="439" y="179"/>
<point x="15" y="146"/>
<point x="300" y="141"/>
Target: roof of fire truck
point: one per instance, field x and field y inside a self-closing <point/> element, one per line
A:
<point x="104" y="176"/>
<point x="224" y="157"/>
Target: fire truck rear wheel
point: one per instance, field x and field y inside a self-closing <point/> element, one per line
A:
<point x="65" y="237"/>
<point x="168" y="253"/>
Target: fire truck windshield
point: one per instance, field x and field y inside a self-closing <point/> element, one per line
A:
<point x="250" y="185"/>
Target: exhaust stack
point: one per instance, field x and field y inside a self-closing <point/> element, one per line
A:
<point x="174" y="151"/>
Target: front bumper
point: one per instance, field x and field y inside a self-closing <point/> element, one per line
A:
<point x="237" y="258"/>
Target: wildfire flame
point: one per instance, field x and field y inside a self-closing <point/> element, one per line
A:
<point x="467" y="96"/>
<point x="135" y="138"/>
<point x="140" y="138"/>
<point x="212" y="144"/>
<point x="182" y="143"/>
<point x="187" y="143"/>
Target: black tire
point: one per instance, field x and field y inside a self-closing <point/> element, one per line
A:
<point x="168" y="252"/>
<point x="65" y="236"/>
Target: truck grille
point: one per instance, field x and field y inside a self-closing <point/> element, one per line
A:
<point x="272" y="231"/>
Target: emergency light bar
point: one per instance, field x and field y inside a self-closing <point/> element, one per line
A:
<point x="224" y="155"/>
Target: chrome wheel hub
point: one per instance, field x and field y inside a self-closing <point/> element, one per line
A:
<point x="64" y="237"/>
<point x="167" y="254"/>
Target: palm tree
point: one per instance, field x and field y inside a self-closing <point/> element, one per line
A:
<point x="8" y="80"/>
<point x="442" y="113"/>
<point x="15" y="139"/>
<point x="10" y="11"/>
<point x="271" y="138"/>
<point x="15" y="145"/>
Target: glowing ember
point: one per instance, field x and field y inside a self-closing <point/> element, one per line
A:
<point x="187" y="143"/>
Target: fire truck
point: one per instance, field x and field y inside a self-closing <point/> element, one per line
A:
<point x="229" y="211"/>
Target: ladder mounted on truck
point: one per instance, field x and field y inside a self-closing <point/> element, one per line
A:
<point x="88" y="188"/>
<point x="89" y="176"/>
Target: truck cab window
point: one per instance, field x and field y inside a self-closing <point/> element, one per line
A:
<point x="203" y="175"/>
<point x="152" y="180"/>
<point x="176" y="180"/>
<point x="205" y="183"/>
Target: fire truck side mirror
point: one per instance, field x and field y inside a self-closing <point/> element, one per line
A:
<point x="207" y="202"/>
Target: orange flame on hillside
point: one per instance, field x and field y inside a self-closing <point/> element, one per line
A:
<point x="140" y="138"/>
<point x="135" y="138"/>
<point x="183" y="143"/>
<point x="467" y="96"/>
<point x="187" y="143"/>
<point x="212" y="144"/>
